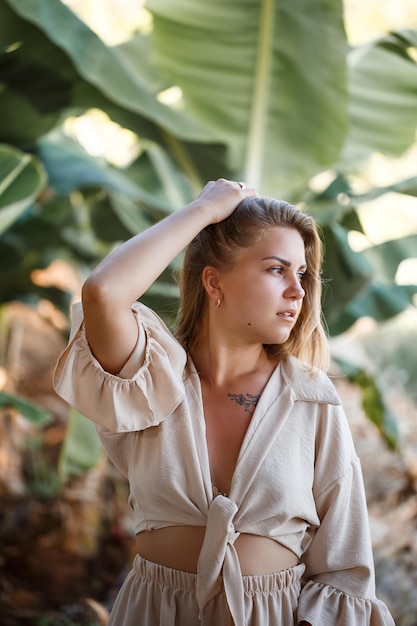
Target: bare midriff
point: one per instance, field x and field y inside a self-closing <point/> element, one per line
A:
<point x="179" y="547"/>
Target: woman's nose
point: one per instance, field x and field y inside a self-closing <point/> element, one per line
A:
<point x="295" y="290"/>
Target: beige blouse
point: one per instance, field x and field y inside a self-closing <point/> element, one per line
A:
<point x="297" y="480"/>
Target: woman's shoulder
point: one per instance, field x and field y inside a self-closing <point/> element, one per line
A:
<point x="158" y="336"/>
<point x="154" y="324"/>
<point x="309" y="384"/>
<point x="147" y="389"/>
<point x="149" y="316"/>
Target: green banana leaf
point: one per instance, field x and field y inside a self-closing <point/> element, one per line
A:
<point x="268" y="77"/>
<point x="345" y="274"/>
<point x="408" y="187"/>
<point x="373" y="401"/>
<point x="379" y="301"/>
<point x="32" y="412"/>
<point x="36" y="81"/>
<point x="70" y="167"/>
<point x="33" y="242"/>
<point x="254" y="96"/>
<point x="105" y="68"/>
<point x="82" y="448"/>
<point x="382" y="79"/>
<point x="386" y="257"/>
<point x="22" y="178"/>
<point x="358" y="284"/>
<point x="41" y="85"/>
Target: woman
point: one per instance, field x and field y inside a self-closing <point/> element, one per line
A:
<point x="246" y="490"/>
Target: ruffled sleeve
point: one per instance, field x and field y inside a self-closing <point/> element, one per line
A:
<point x="323" y="605"/>
<point x="339" y="587"/>
<point x="147" y="389"/>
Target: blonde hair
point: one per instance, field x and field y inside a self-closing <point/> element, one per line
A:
<point x="219" y="245"/>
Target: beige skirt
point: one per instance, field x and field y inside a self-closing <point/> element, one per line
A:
<point x="154" y="595"/>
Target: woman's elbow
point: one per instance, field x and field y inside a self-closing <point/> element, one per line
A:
<point x="94" y="292"/>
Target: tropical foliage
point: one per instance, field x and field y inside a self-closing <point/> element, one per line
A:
<point x="263" y="91"/>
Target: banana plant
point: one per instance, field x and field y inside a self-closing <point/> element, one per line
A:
<point x="22" y="178"/>
<point x="32" y="412"/>
<point x="278" y="102"/>
<point x="266" y="91"/>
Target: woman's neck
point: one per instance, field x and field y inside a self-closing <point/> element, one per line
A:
<point x="219" y="365"/>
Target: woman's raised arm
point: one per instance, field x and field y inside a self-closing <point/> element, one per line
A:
<point x="127" y="272"/>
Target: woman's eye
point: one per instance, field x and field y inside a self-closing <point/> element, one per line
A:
<point x="275" y="270"/>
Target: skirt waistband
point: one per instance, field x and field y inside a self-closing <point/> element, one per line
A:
<point x="186" y="581"/>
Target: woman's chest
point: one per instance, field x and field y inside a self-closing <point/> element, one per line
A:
<point x="175" y="472"/>
<point x="227" y="417"/>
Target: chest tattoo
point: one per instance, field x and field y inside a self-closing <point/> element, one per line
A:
<point x="247" y="400"/>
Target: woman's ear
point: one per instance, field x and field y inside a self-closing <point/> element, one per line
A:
<point x="211" y="282"/>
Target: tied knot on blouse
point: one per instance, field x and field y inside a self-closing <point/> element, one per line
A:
<point x="218" y="558"/>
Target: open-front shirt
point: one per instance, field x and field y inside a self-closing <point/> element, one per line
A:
<point x="297" y="480"/>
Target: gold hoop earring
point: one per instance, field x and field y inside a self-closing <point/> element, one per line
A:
<point x="218" y="303"/>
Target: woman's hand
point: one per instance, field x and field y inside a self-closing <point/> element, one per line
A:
<point x="220" y="198"/>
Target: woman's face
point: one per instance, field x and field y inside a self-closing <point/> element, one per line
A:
<point x="262" y="295"/>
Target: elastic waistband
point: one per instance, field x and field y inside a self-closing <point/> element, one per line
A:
<point x="273" y="583"/>
<point x="186" y="581"/>
<point x="162" y="575"/>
